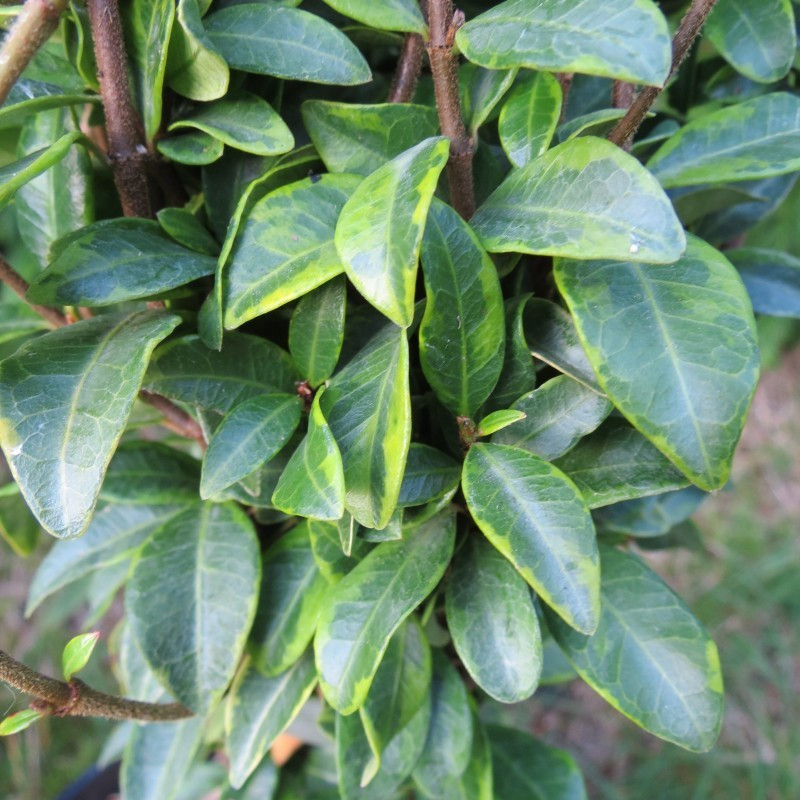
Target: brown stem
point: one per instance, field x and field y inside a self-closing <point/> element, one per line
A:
<point x="565" y="81"/>
<point x="31" y="29"/>
<point x="687" y="32"/>
<point x="76" y="699"/>
<point x="126" y="149"/>
<point x="622" y="94"/>
<point x="409" y="66"/>
<point x="444" y="23"/>
<point x="11" y="278"/>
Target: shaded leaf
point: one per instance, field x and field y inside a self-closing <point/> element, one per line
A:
<point x="772" y="280"/>
<point x="184" y="227"/>
<point x="18" y="527"/>
<point x="326" y="547"/>
<point x="518" y="375"/>
<point x="195" y="148"/>
<point x="481" y="90"/>
<point x="429" y="475"/>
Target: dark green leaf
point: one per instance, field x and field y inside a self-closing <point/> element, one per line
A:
<point x="18" y="527"/>
<point x="18" y="320"/>
<point x="481" y="90"/>
<point x="650" y="516"/>
<point x="390" y="15"/>
<point x="772" y="280"/>
<point x="195" y="148"/>
<point x="429" y="475"/>
<point x="186" y="230"/>
<point x="326" y="547"/>
<point x="595" y="123"/>
<point x="518" y="375"/>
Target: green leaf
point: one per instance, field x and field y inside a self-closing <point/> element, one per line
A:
<point x="529" y="117"/>
<point x="259" y="709"/>
<point x="650" y="658"/>
<point x="244" y="121"/>
<point x="492" y="620"/>
<point x="380" y="228"/>
<point x="650" y="516"/>
<point x="368" y="605"/>
<point x="462" y="333"/>
<point x="111" y="263"/>
<point x="617" y="463"/>
<point x="758" y="39"/>
<point x="19" y="721"/>
<point x="624" y="39"/>
<point x="647" y="326"/>
<point x="557" y="415"/>
<point x="481" y="90"/>
<point x="772" y="280"/>
<point x="498" y="420"/>
<point x="595" y="123"/>
<point x="18" y="527"/>
<point x="586" y="198"/>
<point x="534" y="515"/>
<point x="64" y="400"/>
<point x="30" y="98"/>
<point x="389" y="15"/>
<point x="430" y="474"/>
<point x="401" y="686"/>
<point x="285" y="247"/>
<point x="292" y="595"/>
<point x="18" y="173"/>
<point x="361" y="138"/>
<point x="77" y="653"/>
<point x="195" y="148"/>
<point x="184" y="227"/>
<point x="192" y="628"/>
<point x="18" y="320"/>
<point x="195" y="68"/>
<point x="754" y="139"/>
<point x="368" y="408"/>
<point x="187" y="371"/>
<point x="518" y="375"/>
<point x="316" y="331"/>
<point x="312" y="484"/>
<point x="327" y="550"/>
<point x="249" y="435"/>
<point x="287" y="43"/>
<point x="261" y="785"/>
<point x="524" y="767"/>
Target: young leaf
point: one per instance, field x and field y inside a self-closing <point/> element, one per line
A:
<point x="259" y="709"/>
<point x="195" y="148"/>
<point x="772" y="280"/>
<point x="624" y="39"/>
<point x="287" y="43"/>
<point x="462" y="333"/>
<point x="380" y="228"/>
<point x="429" y="475"/>
<point x="650" y="658"/>
<point x="64" y="400"/>
<point x="498" y="420"/>
<point x="192" y="628"/>
<point x="249" y="435"/>
<point x="534" y="515"/>
<point x="491" y="617"/>
<point x="389" y="15"/>
<point x="647" y="326"/>
<point x="586" y="198"/>
<point x="77" y="653"/>
<point x="326" y="547"/>
<point x="529" y="117"/>
<point x="368" y="605"/>
<point x="19" y="721"/>
<point x="184" y="227"/>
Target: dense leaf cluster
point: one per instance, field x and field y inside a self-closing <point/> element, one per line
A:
<point x="431" y="441"/>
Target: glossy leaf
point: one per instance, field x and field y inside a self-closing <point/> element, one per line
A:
<point x="481" y="90"/>
<point x="380" y="228"/>
<point x="772" y="280"/>
<point x="192" y="628"/>
<point x="534" y="515"/>
<point x="625" y="39"/>
<point x="491" y="617"/>
<point x="390" y="15"/>
<point x="77" y="653"/>
<point x="368" y="605"/>
<point x="184" y="227"/>
<point x="195" y="148"/>
<point x="64" y="400"/>
<point x="498" y="420"/>
<point x="586" y="198"/>
<point x="15" y="723"/>
<point x="286" y="43"/>
<point x="462" y="333"/>
<point x="429" y="475"/>
<point x="650" y="658"/>
<point x="646" y="326"/>
<point x="326" y="547"/>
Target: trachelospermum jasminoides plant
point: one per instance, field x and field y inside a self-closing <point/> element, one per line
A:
<point x="384" y="334"/>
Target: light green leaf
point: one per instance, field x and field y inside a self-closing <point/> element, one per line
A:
<point x="380" y="228"/>
<point x="518" y="375"/>
<point x="327" y="550"/>
<point x="625" y="39"/>
<point x="491" y="617"/>
<point x="292" y="595"/>
<point x="529" y="117"/>
<point x="586" y="198"/>
<point x="192" y="628"/>
<point x="758" y="39"/>
<point x="361" y="138"/>
<point x="184" y="227"/>
<point x="195" y="148"/>
<point x="285" y="247"/>
<point x="368" y="605"/>
<point x="244" y="121"/>
<point x="111" y="263"/>
<point x="316" y="331"/>
<point x="462" y="333"/>
<point x="755" y="139"/>
<point x="595" y="123"/>
<point x="287" y="43"/>
<point x="557" y="415"/>
<point x="534" y="515"/>
<point x="312" y="483"/>
<point x="772" y="280"/>
<point x="388" y="15"/>
<point x="249" y="435"/>
<point x="430" y="474"/>
<point x="646" y="331"/>
<point x="259" y="709"/>
<point x="498" y="420"/>
<point x="368" y="408"/>
<point x="77" y="653"/>
<point x="19" y="721"/>
<point x="76" y="385"/>
<point x="650" y="658"/>
<point x="481" y="90"/>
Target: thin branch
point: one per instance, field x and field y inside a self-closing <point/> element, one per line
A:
<point x="18" y="284"/>
<point x="622" y="94"/>
<point x="687" y="32"/>
<point x="76" y="699"/>
<point x="32" y="28"/>
<point x="409" y="67"/>
<point x="565" y="81"/>
<point x="126" y="149"/>
<point x="444" y="23"/>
